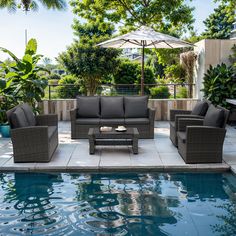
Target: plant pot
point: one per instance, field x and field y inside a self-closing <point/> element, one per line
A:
<point x="5" y="130"/>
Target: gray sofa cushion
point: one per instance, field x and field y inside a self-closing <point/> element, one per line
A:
<point x="29" y="114"/>
<point x="214" y="117"/>
<point x="51" y="131"/>
<point x="88" y="107"/>
<point x="112" y="107"/>
<point x="113" y="121"/>
<point x="87" y="121"/>
<point x="200" y="108"/>
<point x="182" y="136"/>
<point x="136" y="106"/>
<point x="19" y="119"/>
<point x="136" y="121"/>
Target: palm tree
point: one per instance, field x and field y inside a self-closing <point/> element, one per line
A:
<point x="28" y="5"/>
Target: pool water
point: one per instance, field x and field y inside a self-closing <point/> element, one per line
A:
<point x="117" y="204"/>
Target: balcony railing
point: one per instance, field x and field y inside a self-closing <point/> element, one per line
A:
<point x="71" y="91"/>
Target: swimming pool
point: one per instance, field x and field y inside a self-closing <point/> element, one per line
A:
<point x="117" y="204"/>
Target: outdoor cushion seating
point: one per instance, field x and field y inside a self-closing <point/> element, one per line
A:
<point x="198" y="111"/>
<point x="201" y="140"/>
<point x="34" y="138"/>
<point x="130" y="111"/>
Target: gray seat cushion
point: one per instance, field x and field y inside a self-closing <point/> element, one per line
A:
<point x="51" y="131"/>
<point x="19" y="119"/>
<point x="113" y="121"/>
<point x="136" y="106"/>
<point x="87" y="121"/>
<point x="172" y="123"/>
<point x="29" y="114"/>
<point x="200" y="108"/>
<point x="136" y="121"/>
<point x="182" y="136"/>
<point x="112" y="107"/>
<point x="214" y="117"/>
<point x="88" y="107"/>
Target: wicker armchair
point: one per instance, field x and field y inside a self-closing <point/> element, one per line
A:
<point x="34" y="138"/>
<point x="198" y="112"/>
<point x="201" y="143"/>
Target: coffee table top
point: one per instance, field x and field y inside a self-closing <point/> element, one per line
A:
<point x="129" y="133"/>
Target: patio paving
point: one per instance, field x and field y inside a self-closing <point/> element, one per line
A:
<point x="154" y="155"/>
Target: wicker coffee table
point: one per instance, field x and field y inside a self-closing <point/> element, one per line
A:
<point x="97" y="137"/>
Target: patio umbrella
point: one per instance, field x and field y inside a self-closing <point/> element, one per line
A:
<point x="144" y="37"/>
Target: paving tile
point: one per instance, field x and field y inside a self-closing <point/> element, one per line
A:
<point x="229" y="148"/>
<point x="10" y="165"/>
<point x="165" y="146"/>
<point x="213" y="167"/>
<point x="3" y="161"/>
<point x="171" y="159"/>
<point x="230" y="158"/>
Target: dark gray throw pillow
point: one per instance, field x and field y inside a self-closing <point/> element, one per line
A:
<point x="29" y="114"/>
<point x="136" y="106"/>
<point x="200" y="108"/>
<point x="112" y="107"/>
<point x="19" y="119"/>
<point x="88" y="107"/>
<point x="214" y="117"/>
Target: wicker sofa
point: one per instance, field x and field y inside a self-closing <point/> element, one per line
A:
<point x="96" y="111"/>
<point x="198" y="112"/>
<point x="34" y="138"/>
<point x="201" y="140"/>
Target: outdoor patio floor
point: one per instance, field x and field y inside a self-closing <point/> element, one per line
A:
<point x="157" y="155"/>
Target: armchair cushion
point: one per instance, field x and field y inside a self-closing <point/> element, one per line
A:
<point x="200" y="108"/>
<point x="214" y="117"/>
<point x="19" y="119"/>
<point x="112" y="107"/>
<point x="29" y="114"/>
<point x="88" y="107"/>
<point x="182" y="136"/>
<point x="51" y="131"/>
<point x="136" y="106"/>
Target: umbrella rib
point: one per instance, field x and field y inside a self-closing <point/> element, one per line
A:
<point x="167" y="44"/>
<point x="129" y="41"/>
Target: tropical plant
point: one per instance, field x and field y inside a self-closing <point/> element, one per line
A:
<point x="28" y="5"/>
<point x="69" y="88"/>
<point x="160" y="92"/>
<point x="175" y="73"/>
<point x="188" y="60"/>
<point x="220" y="84"/>
<point x="220" y="23"/>
<point x="23" y="75"/>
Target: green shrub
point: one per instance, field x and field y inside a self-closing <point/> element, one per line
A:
<point x="175" y="73"/>
<point x="54" y="76"/>
<point x="220" y="84"/>
<point x="68" y="91"/>
<point x="52" y="82"/>
<point x="182" y="92"/>
<point x="160" y="92"/>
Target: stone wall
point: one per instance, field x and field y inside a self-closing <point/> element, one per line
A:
<point x="62" y="107"/>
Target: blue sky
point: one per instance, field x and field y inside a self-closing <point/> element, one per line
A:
<point x="52" y="29"/>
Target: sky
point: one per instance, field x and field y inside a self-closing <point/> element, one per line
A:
<point x="52" y="29"/>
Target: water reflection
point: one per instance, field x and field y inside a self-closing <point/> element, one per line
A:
<point x="120" y="204"/>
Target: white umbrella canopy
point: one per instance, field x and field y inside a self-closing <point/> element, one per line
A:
<point x="145" y="37"/>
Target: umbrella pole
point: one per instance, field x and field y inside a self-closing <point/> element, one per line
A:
<point x="142" y="78"/>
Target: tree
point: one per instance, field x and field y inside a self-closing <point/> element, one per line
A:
<point x="28" y="5"/>
<point x="87" y="61"/>
<point x="219" y="24"/>
<point x="166" y="16"/>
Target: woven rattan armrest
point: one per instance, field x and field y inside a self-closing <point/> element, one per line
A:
<point x="184" y="122"/>
<point x="151" y="114"/>
<point x="174" y="112"/>
<point x="190" y="116"/>
<point x="47" y="120"/>
<point x="73" y="114"/>
<point x="205" y="135"/>
<point x="32" y="135"/>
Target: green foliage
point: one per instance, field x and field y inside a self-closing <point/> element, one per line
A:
<point x="22" y="75"/>
<point x="182" y="92"/>
<point x="91" y="64"/>
<point x="175" y="73"/>
<point x="129" y="72"/>
<point x="219" y="24"/>
<point x="165" y="16"/>
<point x="54" y="77"/>
<point x="67" y="91"/>
<point x="27" y="5"/>
<point x="220" y="84"/>
<point x="232" y="57"/>
<point x="160" y="92"/>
